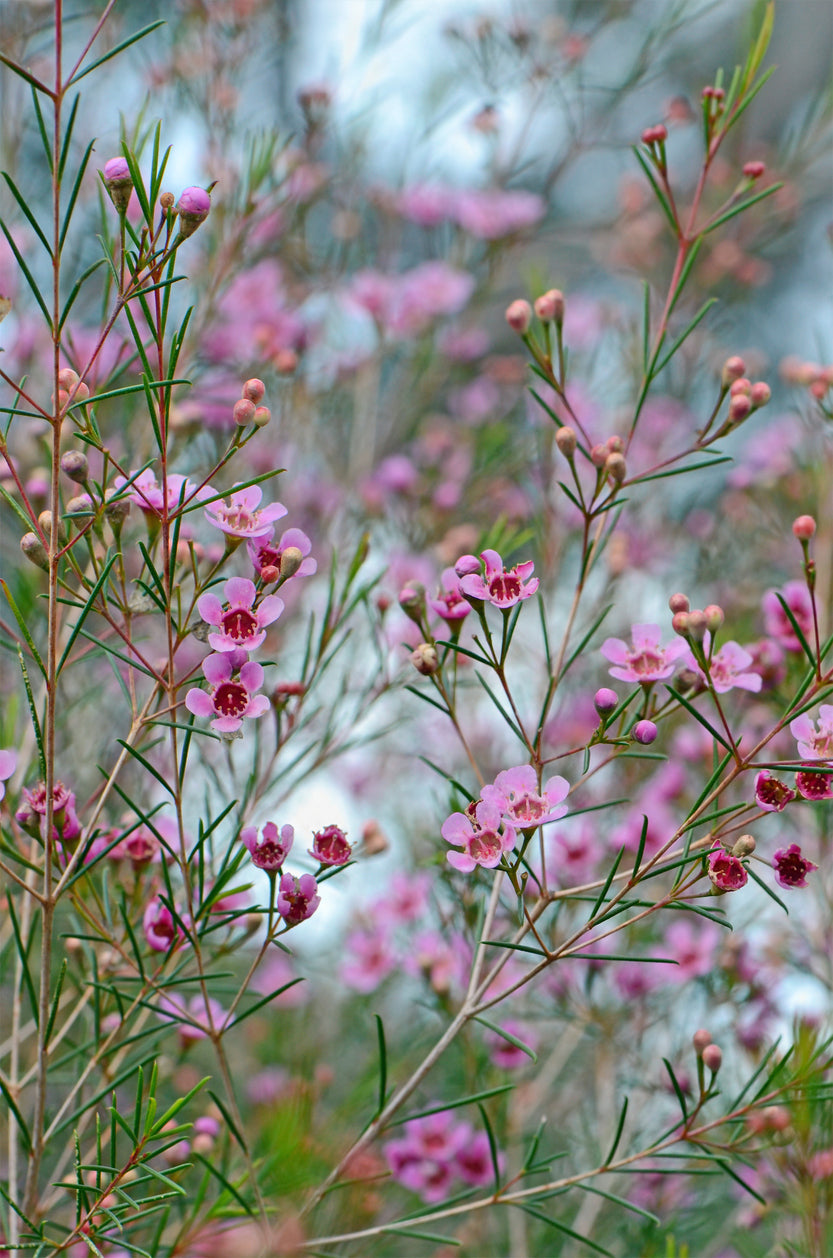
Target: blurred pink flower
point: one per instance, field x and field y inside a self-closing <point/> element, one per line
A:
<point x="777" y="623"/>
<point x="813" y="744"/>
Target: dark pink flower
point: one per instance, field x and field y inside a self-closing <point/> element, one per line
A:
<point x="515" y="792"/>
<point x="450" y="603"/>
<point x="777" y="623"/>
<point x="814" y="785"/>
<point x="770" y="794"/>
<point x="422" y="1159"/>
<point x="298" y="898"/>
<point x="645" y="660"/>
<point x="473" y="1163"/>
<point x="502" y="586"/>
<point x="160" y="928"/>
<point x="231" y="699"/>
<point x="241" y="516"/>
<point x="265" y="553"/>
<point x="481" y="837"/>
<point x="791" y="868"/>
<point x="140" y="847"/>
<point x="273" y="848"/>
<point x="241" y="625"/>
<point x="726" y="871"/>
<point x="65" y="823"/>
<point x="814" y="744"/>
<point x="330" y="846"/>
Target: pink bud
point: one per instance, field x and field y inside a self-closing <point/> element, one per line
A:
<point x="678" y="603"/>
<point x="119" y="182"/>
<point x="804" y="527"/>
<point x="740" y="386"/>
<point x="644" y="732"/>
<point x="599" y="454"/>
<point x="605" y="700"/>
<point x="116" y="168"/>
<point x="193" y="206"/>
<point x="466" y="565"/>
<point x="654" y="135"/>
<point x="519" y="316"/>
<point x="696" y="625"/>
<point x="616" y="468"/>
<point x="244" y="412"/>
<point x="425" y="659"/>
<point x="759" y="394"/>
<point x="712" y="1058"/>
<point x="701" y="1040"/>
<point x="739" y="408"/>
<point x="615" y="444"/>
<point x="679" y="623"/>
<point x="714" y="617"/>
<point x="254" y="390"/>
<point x="566" y="441"/>
<point x="733" y="369"/>
<point x="262" y="417"/>
<point x="754" y="170"/>
<point x="550" y="306"/>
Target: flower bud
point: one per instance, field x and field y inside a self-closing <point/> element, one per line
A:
<point x="739" y="407"/>
<point x="467" y="565"/>
<point x="566" y="441"/>
<point x="605" y="700"/>
<point x="616" y="469"/>
<point x="412" y="601"/>
<point x="712" y="1058"/>
<point x="118" y="182"/>
<point x="696" y="625"/>
<point x="291" y="560"/>
<point x="679" y="623"/>
<point x="45" y="526"/>
<point x="425" y="659"/>
<point x="754" y="170"/>
<point x="116" y="509"/>
<point x="654" y="135"/>
<point x="74" y="464"/>
<point x="519" y="316"/>
<point x="744" y="846"/>
<point x="701" y="1040"/>
<point x="599" y="454"/>
<point x="804" y="527"/>
<point x="550" y="306"/>
<point x="374" y="840"/>
<point x="81" y="505"/>
<point x="740" y="386"/>
<point x="254" y="390"/>
<point x="166" y="201"/>
<point x="714" y="617"/>
<point x="34" y="550"/>
<point x="285" y="362"/>
<point x="243" y="412"/>
<point x="193" y="207"/>
<point x="67" y="379"/>
<point x="678" y="603"/>
<point x="759" y="394"/>
<point x="615" y="444"/>
<point x="262" y="417"/>
<point x="733" y="369"/>
<point x="644" y="732"/>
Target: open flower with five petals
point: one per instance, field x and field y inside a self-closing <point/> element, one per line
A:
<point x="231" y="698"/>
<point x="242" y="516"/>
<point x="502" y="586"/>
<point x="239" y="623"/>
<point x="483" y="836"/>
<point x="515" y="792"/>
<point x="643" y="660"/>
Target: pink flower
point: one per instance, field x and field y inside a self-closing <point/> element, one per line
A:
<point x="273" y="848"/>
<point x="241" y="516"/>
<point x="265" y="553"/>
<point x="230" y="699"/>
<point x="161" y="930"/>
<point x="297" y="898"/>
<point x="440" y="960"/>
<point x="726" y="871"/>
<point x="422" y="1159"/>
<point x="814" y="785"/>
<point x="812" y="744"/>
<point x="729" y="667"/>
<point x="481" y="837"/>
<point x="330" y="846"/>
<point x="404" y="899"/>
<point x="503" y="587"/>
<point x="492" y="213"/>
<point x="368" y="959"/>
<point x="791" y="868"/>
<point x="146" y="491"/>
<point x="692" y="946"/>
<point x="427" y="204"/>
<point x="645" y="660"/>
<point x="450" y="603"/>
<point x="194" y="1021"/>
<point x="515" y="792"/>
<point x="770" y="794"/>
<point x="776" y="621"/>
<point x="8" y="764"/>
<point x="473" y="1163"/>
<point x="140" y="847"/>
<point x="65" y="824"/>
<point x="507" y="1055"/>
<point x="240" y="624"/>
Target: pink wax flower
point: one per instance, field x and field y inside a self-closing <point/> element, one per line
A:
<point x="146" y="491"/>
<point x="330" y="846"/>
<point x="161" y="930"/>
<point x="8" y="764"/>
<point x="440" y="960"/>
<point x="507" y="1055"/>
<point x="65" y="823"/>
<point x="814" y="785"/>
<point x="297" y="898"/>
<point x="422" y="1159"/>
<point x="515" y="792"/>
<point x="791" y="868"/>
<point x="771" y="794"/>
<point x="776" y="622"/>
<point x="726" y="871"/>
<point x="240" y="623"/>
<point x="481" y="837"/>
<point x="273" y="848"/>
<point x="502" y="586"/>
<point x="241" y="516"/>
<point x="450" y="604"/>
<point x="266" y="554"/>
<point x="489" y="214"/>
<point x="117" y="168"/>
<point x="427" y="204"/>
<point x="473" y="1163"/>
<point x="693" y="947"/>
<point x="368" y="959"/>
<point x="731" y="666"/>
<point x="140" y="847"/>
<point x="404" y="899"/>
<point x="814" y="744"/>
<point x="230" y="699"/>
<point x="194" y="1021"/>
<point x="645" y="660"/>
<point x="574" y="855"/>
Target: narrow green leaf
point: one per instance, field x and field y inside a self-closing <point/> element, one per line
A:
<point x="383" y="1066"/>
<point x="562" y="1227"/>
<point x="434" y="1238"/>
<point x="684" y="274"/>
<point x="492" y="1146"/>
<point x="137" y="755"/>
<point x="677" y="1089"/>
<point x="24" y="628"/>
<point x="698" y="716"/>
<point x="744" y="205"/>
<point x="588" y="635"/>
<point x="114" y="52"/>
<point x="33" y="712"/>
<point x="220" y="1177"/>
<point x="30" y="279"/>
<point x="24" y="1130"/>
<point x="658" y="192"/>
<point x="609" y="880"/>
<point x="27" y="213"/>
<point x="788" y="612"/>
<point x="86" y="609"/>
<point x="45" y="141"/>
<point x="76" y="188"/>
<point x="466" y="1100"/>
<point x="686" y="333"/>
<point x="232" y="1126"/>
<point x="620" y="1127"/>
<point x="506" y="1035"/>
<point x="55" y="999"/>
<point x="24" y="74"/>
<point x="178" y="1104"/>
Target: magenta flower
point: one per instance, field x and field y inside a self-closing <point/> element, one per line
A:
<point x="692" y="946"/>
<point x="298" y="898"/>
<point x="8" y="764"/>
<point x="502" y="586"/>
<point x="515" y="793"/>
<point x="422" y="1159"/>
<point x="791" y="868"/>
<point x="814" y="744"/>
<point x="473" y="1163"/>
<point x="240" y="623"/>
<point x="645" y="660"/>
<point x="481" y="838"/>
<point x="330" y="846"/>
<point x="65" y="823"/>
<point x="440" y="960"/>
<point x="161" y="930"/>
<point x="368" y="959"/>
<point x="776" y="621"/>
<point x="770" y="794"/>
<point x="726" y="871"/>
<point x="241" y="516"/>
<point x="265" y="553"/>
<point x="273" y="848"/>
<point x="146" y="491"/>
<point x="729" y="667"/>
<point x="140" y="847"/>
<point x="450" y="604"/>
<point x="814" y="785"/>
<point x="230" y="699"/>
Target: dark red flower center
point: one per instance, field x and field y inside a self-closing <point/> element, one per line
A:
<point x="792" y="868"/>
<point x="484" y="845"/>
<point x="505" y="586"/>
<point x="528" y="806"/>
<point x="231" y="698"/>
<point x="239" y="623"/>
<point x="269" y="856"/>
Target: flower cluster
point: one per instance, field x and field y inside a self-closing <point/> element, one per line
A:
<point x="489" y="826"/>
<point x="436" y="1151"/>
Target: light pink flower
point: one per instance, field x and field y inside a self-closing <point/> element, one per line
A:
<point x="422" y="1159"/>
<point x="441" y="961"/>
<point x="791" y="868"/>
<point x="693" y="947"/>
<point x="368" y="959"/>
<point x="193" y="1020"/>
<point x="776" y="621"/>
<point x="241" y="516"/>
<point x="450" y="604"/>
<point x="731" y="666"/>
<point x="231" y="699"/>
<point x="502" y="586"/>
<point x="146" y="491"/>
<point x="481" y="837"/>
<point x="515" y="792"/>
<point x="771" y="794"/>
<point x="241" y="625"/>
<point x="265" y="553"/>
<point x="726" y="871"/>
<point x="814" y="744"/>
<point x="273" y="848"/>
<point x="8" y="764"/>
<point x="297" y="898"/>
<point x="645" y="660"/>
<point x="404" y="899"/>
<point x="492" y="213"/>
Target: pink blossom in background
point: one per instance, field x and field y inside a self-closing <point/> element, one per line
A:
<point x="428" y="205"/>
<point x="241" y="516"/>
<point x="791" y="868"/>
<point x="441" y="961"/>
<point x="425" y="293"/>
<point x="277" y="970"/>
<point x="634" y="979"/>
<point x="141" y="846"/>
<point x="160" y="929"/>
<point x="504" y="1053"/>
<point x="193" y="1020"/>
<point x="481" y="837"/>
<point x="369" y="957"/>
<point x="777" y="623"/>
<point x="423" y="1158"/>
<point x="489" y="214"/>
<point x="769" y="661"/>
<point x="574" y="854"/>
<point x="729" y="667"/>
<point x="515" y="792"/>
<point x="265" y="553"/>
<point x="450" y="604"/>
<point x="239" y="622"/>
<point x="272" y="849"/>
<point x="770" y="794"/>
<point x="504" y="587"/>
<point x="463" y="345"/>
<point x="254" y="317"/>
<point x="404" y="899"/>
<point x="146" y="492"/>
<point x="473" y="1162"/>
<point x="8" y="764"/>
<point x="693" y="944"/>
<point x="230" y="699"/>
<point x="644" y="660"/>
<point x="726" y="872"/>
<point x="814" y="744"/>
